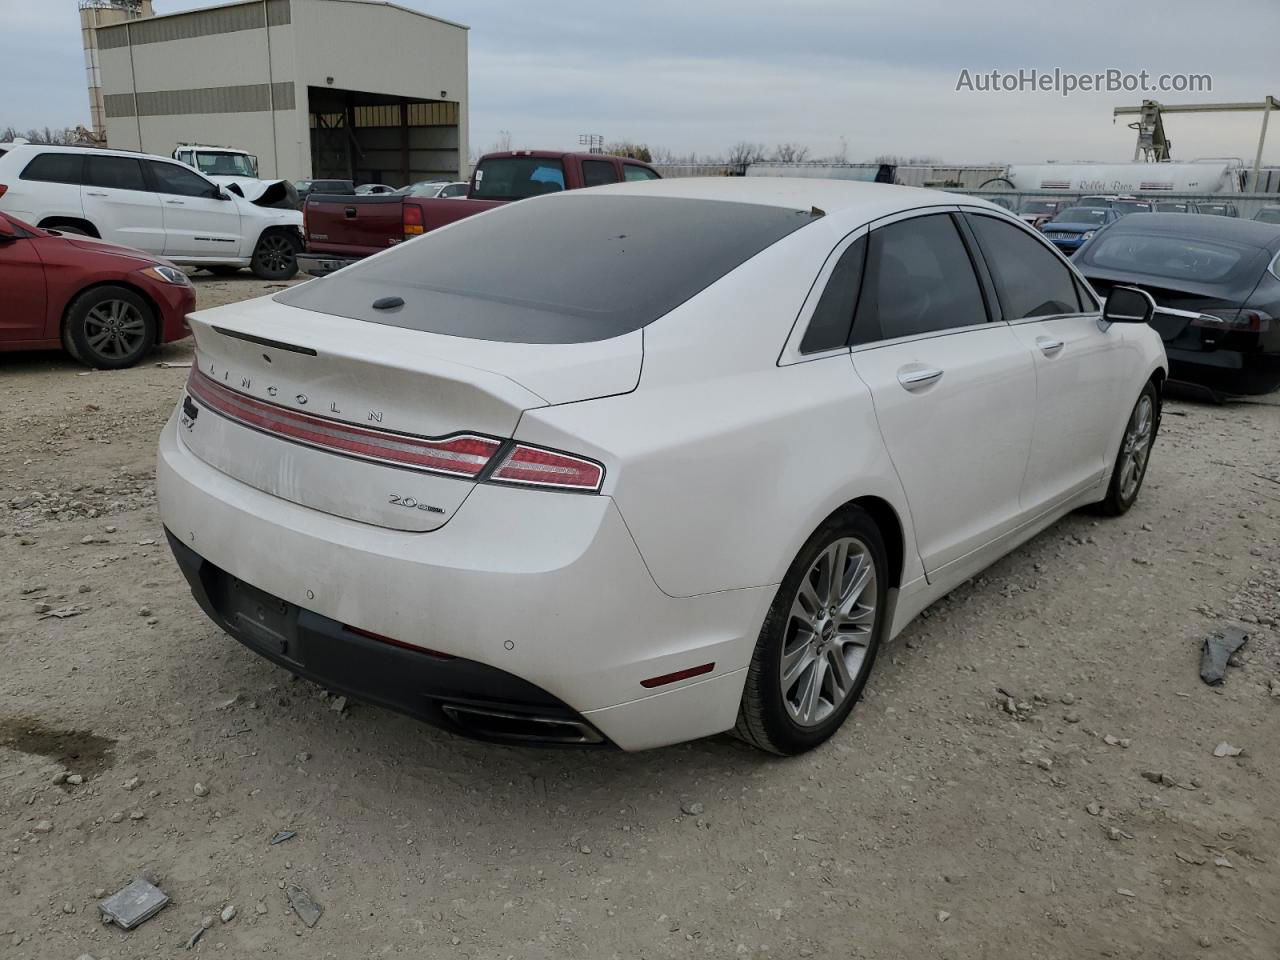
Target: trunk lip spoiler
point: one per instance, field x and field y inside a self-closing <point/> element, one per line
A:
<point x="264" y="341"/>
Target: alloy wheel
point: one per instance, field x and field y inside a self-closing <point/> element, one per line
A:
<point x="275" y="252"/>
<point x="1136" y="447"/>
<point x="115" y="329"/>
<point x="829" y="631"/>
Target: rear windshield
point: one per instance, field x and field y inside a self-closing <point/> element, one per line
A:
<point x="1178" y="257"/>
<point x="1039" y="206"/>
<point x="1268" y="216"/>
<point x="516" y="178"/>
<point x="570" y="270"/>
<point x="1082" y="215"/>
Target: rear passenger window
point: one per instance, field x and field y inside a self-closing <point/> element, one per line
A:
<point x="829" y="326"/>
<point x="1031" y="280"/>
<point x="117" y="173"/>
<point x="918" y="279"/>
<point x="179" y="181"/>
<point x="598" y="172"/>
<point x="55" y="168"/>
<point x="631" y="172"/>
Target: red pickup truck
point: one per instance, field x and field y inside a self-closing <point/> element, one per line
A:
<point x="339" y="230"/>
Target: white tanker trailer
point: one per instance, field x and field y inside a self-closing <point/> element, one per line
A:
<point x="1204" y="177"/>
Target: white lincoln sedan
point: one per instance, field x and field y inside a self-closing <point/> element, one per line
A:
<point x="648" y="462"/>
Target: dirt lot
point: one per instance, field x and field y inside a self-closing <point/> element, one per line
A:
<point x="937" y="824"/>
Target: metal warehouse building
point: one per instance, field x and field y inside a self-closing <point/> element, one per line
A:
<point x="351" y="89"/>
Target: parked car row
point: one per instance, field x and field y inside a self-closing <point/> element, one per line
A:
<point x="155" y="204"/>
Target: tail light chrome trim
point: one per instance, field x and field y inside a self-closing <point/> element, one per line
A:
<point x="459" y="455"/>
<point x="532" y="466"/>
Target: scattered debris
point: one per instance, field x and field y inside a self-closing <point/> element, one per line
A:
<point x="136" y="903"/>
<point x="75" y="779"/>
<point x="228" y="913"/>
<point x="132" y="783"/>
<point x="1189" y="858"/>
<point x="260" y="908"/>
<point x="943" y="916"/>
<point x="173" y="365"/>
<point x="195" y="937"/>
<point x="62" y="613"/>
<point x="1117" y="741"/>
<point x="1217" y="651"/>
<point x="691" y="809"/>
<point x="1125" y="893"/>
<point x="1094" y="808"/>
<point x="1225" y="749"/>
<point x="44" y="826"/>
<point x="1275" y="688"/>
<point x="201" y="790"/>
<point x="1221" y="861"/>
<point x="307" y="909"/>
<point x="338" y="705"/>
<point x="1115" y="833"/>
<point x="282" y="836"/>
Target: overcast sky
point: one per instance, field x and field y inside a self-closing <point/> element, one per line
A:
<point x="699" y="75"/>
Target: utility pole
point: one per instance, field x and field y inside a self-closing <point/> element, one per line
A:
<point x="594" y="142"/>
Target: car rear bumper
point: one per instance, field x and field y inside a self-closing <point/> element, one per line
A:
<point x="323" y="264"/>
<point x="546" y="589"/>
<point x="1226" y="371"/>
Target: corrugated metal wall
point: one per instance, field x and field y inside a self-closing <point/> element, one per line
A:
<point x="198" y="23"/>
<point x="242" y="98"/>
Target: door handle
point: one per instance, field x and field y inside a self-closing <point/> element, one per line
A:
<point x="914" y="378"/>
<point x="1050" y="345"/>
<point x="177" y="203"/>
<point x="91" y="193"/>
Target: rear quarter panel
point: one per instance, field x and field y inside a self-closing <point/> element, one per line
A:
<point x="723" y="463"/>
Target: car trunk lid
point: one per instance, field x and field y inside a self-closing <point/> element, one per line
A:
<point x="370" y="422"/>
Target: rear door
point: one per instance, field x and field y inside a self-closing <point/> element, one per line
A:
<point x="954" y="392"/>
<point x="1078" y="364"/>
<point x="200" y="220"/>
<point x="23" y="314"/>
<point x="118" y="199"/>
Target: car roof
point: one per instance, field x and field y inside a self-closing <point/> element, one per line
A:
<point x="866" y="200"/>
<point x="1198" y="227"/>
<point x="27" y="148"/>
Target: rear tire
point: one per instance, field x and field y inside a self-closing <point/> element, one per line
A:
<point x="1134" y="454"/>
<point x="109" y="328"/>
<point x="276" y="256"/>
<point x="819" y="639"/>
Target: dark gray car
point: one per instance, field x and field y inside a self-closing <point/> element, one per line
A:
<point x="1217" y="282"/>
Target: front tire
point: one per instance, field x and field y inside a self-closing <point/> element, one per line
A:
<point x="109" y="328"/>
<point x="276" y="256"/>
<point x="819" y="639"/>
<point x="1134" y="454"/>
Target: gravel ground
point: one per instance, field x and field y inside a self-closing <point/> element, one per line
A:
<point x="988" y="800"/>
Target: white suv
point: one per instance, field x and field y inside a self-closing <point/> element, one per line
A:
<point x="151" y="203"/>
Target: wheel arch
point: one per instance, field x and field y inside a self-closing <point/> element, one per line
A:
<point x="53" y="223"/>
<point x="886" y="518"/>
<point x="152" y="306"/>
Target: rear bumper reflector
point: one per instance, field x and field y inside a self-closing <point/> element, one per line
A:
<point x="460" y="455"/>
<point x="678" y="675"/>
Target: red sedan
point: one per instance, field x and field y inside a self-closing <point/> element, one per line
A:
<point x="107" y="305"/>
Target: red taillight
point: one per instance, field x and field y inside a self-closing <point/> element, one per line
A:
<point x="306" y="232"/>
<point x="464" y="455"/>
<point x="411" y="217"/>
<point x="3" y="188"/>
<point x="1234" y="321"/>
<point x="538" y="467"/>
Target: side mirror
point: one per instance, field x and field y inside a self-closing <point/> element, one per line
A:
<point x="1128" y="305"/>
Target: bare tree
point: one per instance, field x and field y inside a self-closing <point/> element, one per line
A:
<point x="743" y="153"/>
<point x="502" y="144"/>
<point x="790" y="153"/>
<point x="47" y="134"/>
<point x="625" y="148"/>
